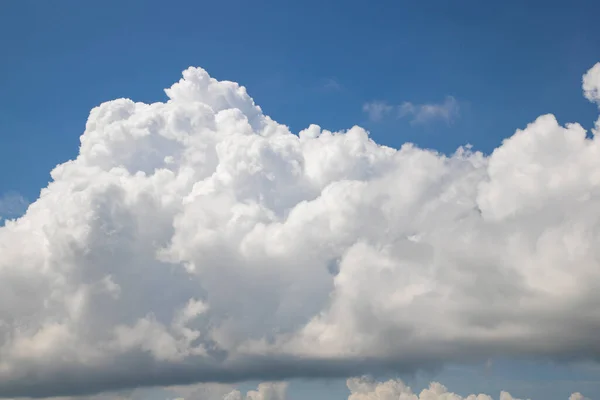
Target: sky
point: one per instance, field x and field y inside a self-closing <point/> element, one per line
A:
<point x="405" y="190"/>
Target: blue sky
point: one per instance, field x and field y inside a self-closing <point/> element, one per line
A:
<point x="506" y="62"/>
<point x="503" y="62"/>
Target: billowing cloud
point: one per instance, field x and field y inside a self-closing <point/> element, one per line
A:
<point x="199" y="240"/>
<point x="368" y="389"/>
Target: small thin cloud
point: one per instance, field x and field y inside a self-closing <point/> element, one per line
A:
<point x="446" y="111"/>
<point x="328" y="85"/>
<point x="376" y="110"/>
<point x="12" y="205"/>
<point x="332" y="85"/>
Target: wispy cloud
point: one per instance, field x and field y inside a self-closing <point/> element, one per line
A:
<point x="332" y="85"/>
<point x="377" y="110"/>
<point x="12" y="205"/>
<point x="424" y="113"/>
<point x="445" y="111"/>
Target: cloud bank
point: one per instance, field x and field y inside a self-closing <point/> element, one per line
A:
<point x="199" y="240"/>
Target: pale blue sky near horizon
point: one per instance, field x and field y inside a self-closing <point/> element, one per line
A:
<point x="503" y="64"/>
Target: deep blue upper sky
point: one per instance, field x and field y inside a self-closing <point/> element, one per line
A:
<point x="506" y="62"/>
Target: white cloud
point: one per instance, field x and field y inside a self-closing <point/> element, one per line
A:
<point x="577" y="396"/>
<point x="424" y="113"/>
<point x="198" y="239"/>
<point x="591" y="89"/>
<point x="591" y="84"/>
<point x="376" y="110"/>
<point x="368" y="389"/>
<point x="265" y="391"/>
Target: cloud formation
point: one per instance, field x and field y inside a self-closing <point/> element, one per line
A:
<point x="265" y="391"/>
<point x="446" y="111"/>
<point x="368" y="389"/>
<point x="199" y="240"/>
<point x="425" y="113"/>
<point x="376" y="110"/>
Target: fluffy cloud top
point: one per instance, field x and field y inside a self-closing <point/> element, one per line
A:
<point x="367" y="389"/>
<point x="199" y="240"/>
<point x="364" y="388"/>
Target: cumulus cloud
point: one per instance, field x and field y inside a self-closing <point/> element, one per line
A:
<point x="199" y="240"/>
<point x="265" y="391"/>
<point x="367" y="389"/>
<point x="591" y="89"/>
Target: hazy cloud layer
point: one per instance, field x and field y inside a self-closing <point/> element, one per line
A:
<point x="12" y="205"/>
<point x="377" y="110"/>
<point x="199" y="240"/>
